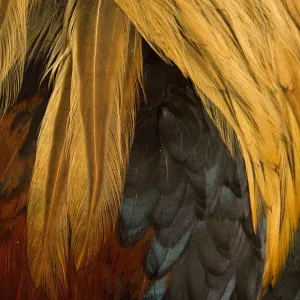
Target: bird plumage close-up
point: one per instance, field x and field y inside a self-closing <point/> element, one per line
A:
<point x="150" y="149"/>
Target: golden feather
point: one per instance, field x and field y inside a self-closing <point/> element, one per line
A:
<point x="103" y="42"/>
<point x="243" y="57"/>
<point x="84" y="142"/>
<point x="13" y="46"/>
<point x="47" y="209"/>
<point x="45" y="25"/>
<point x="293" y="8"/>
<point x="48" y="230"/>
<point x="28" y="29"/>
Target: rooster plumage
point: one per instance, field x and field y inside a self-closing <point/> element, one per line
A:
<point x="125" y="177"/>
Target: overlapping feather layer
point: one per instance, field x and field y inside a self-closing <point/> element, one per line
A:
<point x="243" y="57"/>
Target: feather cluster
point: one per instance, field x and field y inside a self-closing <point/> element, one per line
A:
<point x="94" y="56"/>
<point x="243" y="57"/>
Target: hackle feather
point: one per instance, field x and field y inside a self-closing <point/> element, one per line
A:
<point x="102" y="44"/>
<point x="84" y="141"/>
<point x="244" y="59"/>
<point x="28" y="29"/>
<point x="13" y="14"/>
<point x="47" y="210"/>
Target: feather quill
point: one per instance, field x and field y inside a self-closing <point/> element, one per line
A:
<point x="103" y="98"/>
<point x="84" y="142"/>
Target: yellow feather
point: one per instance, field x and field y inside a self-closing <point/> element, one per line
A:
<point x="84" y="142"/>
<point x="47" y="209"/>
<point x="13" y="46"/>
<point x="293" y="7"/>
<point x="45" y="25"/>
<point x="48" y="228"/>
<point x="28" y="29"/>
<point x="102" y="100"/>
<point x="244" y="57"/>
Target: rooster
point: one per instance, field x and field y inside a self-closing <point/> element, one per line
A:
<point x="150" y="149"/>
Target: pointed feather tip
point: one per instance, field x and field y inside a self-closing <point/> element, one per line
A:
<point x="109" y="142"/>
<point x="79" y="261"/>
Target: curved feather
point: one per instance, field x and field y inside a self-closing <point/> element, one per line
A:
<point x="85" y="139"/>
<point x="44" y="25"/>
<point x="47" y="209"/>
<point x="28" y="28"/>
<point x="13" y="45"/>
<point x="244" y="60"/>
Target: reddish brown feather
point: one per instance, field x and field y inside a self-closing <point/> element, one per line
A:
<point x="101" y="278"/>
<point x="15" y="280"/>
<point x="115" y="267"/>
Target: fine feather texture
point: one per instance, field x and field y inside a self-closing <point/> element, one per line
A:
<point x="243" y="57"/>
<point x="48" y="230"/>
<point x="13" y="14"/>
<point x="100" y="279"/>
<point x="47" y="210"/>
<point x="28" y="29"/>
<point x="84" y="140"/>
<point x="45" y="28"/>
<point x="293" y="8"/>
<point x="183" y="183"/>
<point x="102" y="44"/>
<point x="114" y="274"/>
<point x="18" y="130"/>
<point x="244" y="60"/>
